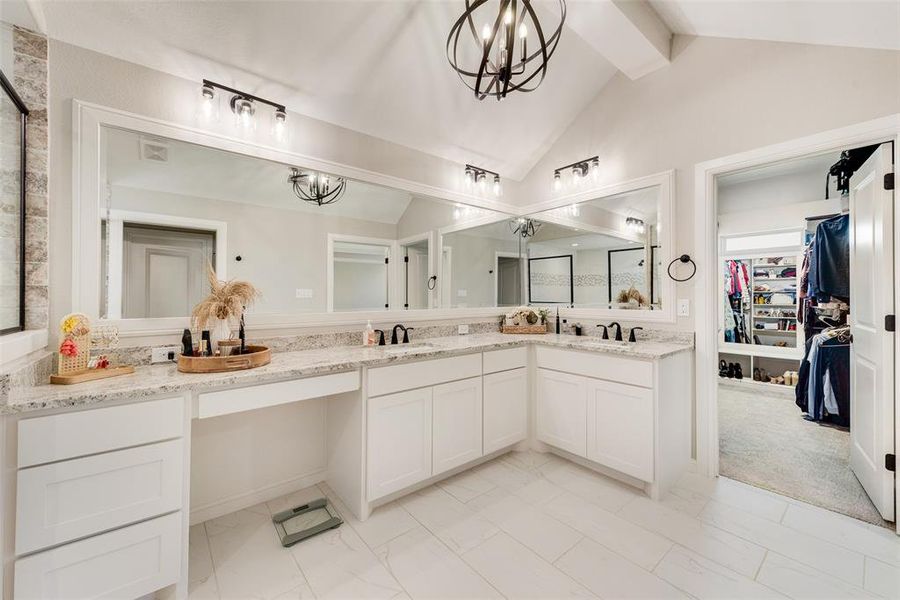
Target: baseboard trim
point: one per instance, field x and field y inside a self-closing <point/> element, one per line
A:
<point x="199" y="514"/>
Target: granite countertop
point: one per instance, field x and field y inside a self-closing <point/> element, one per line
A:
<point x="159" y="379"/>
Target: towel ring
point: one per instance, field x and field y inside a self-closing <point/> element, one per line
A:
<point x="432" y="281"/>
<point x="684" y="258"/>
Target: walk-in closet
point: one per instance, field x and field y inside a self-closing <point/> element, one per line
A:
<point x="795" y="256"/>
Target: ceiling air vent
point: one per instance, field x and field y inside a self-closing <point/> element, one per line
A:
<point x="155" y="151"/>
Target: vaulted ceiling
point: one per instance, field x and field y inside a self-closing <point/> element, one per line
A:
<point x="379" y="66"/>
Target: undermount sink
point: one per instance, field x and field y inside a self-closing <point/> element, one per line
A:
<point x="407" y="348"/>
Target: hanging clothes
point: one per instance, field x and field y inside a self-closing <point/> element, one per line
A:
<point x="823" y="389"/>
<point x="832" y="250"/>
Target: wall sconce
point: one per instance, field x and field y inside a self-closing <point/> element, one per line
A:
<point x="634" y="224"/>
<point x="476" y="176"/>
<point x="580" y="171"/>
<point x="243" y="105"/>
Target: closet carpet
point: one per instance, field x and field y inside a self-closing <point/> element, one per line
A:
<point x="765" y="442"/>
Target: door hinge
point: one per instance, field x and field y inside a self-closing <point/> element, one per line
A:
<point x="890" y="462"/>
<point x="890" y="323"/>
<point x="888" y="181"/>
<point x="386" y="260"/>
<point x="405" y="305"/>
<point x="406" y="259"/>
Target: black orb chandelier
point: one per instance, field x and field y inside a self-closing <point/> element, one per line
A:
<point x="317" y="188"/>
<point x="524" y="227"/>
<point x="500" y="60"/>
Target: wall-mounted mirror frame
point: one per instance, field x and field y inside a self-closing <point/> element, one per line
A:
<point x="89" y="160"/>
<point x="665" y="181"/>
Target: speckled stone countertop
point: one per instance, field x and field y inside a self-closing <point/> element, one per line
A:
<point x="155" y="380"/>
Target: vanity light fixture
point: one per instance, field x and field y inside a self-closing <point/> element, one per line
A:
<point x="477" y="176"/>
<point x="524" y="227"/>
<point x="317" y="188"/>
<point x="243" y="105"/>
<point x="499" y="61"/>
<point x="581" y="170"/>
<point x="635" y="224"/>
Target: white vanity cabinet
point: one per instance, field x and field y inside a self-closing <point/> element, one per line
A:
<point x="399" y="441"/>
<point x="456" y="424"/>
<point x="626" y="414"/>
<point x="505" y="398"/>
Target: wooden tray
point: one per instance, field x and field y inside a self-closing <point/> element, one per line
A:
<point x="523" y="328"/>
<point x="255" y="356"/>
<point x="90" y="375"/>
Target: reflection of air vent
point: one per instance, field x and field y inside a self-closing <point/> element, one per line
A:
<point x="152" y="150"/>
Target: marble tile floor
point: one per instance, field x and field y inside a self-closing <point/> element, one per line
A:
<point x="529" y="525"/>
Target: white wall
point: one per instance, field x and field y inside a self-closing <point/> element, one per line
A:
<point x="719" y="97"/>
<point x="472" y="266"/>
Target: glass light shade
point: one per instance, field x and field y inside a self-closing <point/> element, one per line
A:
<point x="498" y="190"/>
<point x="208" y="106"/>
<point x="279" y="125"/>
<point x="557" y="182"/>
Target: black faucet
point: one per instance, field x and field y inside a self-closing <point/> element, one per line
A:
<point x="406" y="334"/>
<point x="605" y="335"/>
<point x="631" y="337"/>
<point x="618" y="330"/>
<point x="380" y="333"/>
<point x="394" y="333"/>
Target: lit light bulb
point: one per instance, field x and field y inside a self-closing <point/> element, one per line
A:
<point x="243" y="110"/>
<point x="507" y="18"/>
<point x="557" y="181"/>
<point x="595" y="169"/>
<point x="469" y="177"/>
<point x="577" y="176"/>
<point x="497" y="189"/>
<point x="523" y="31"/>
<point x="208" y="111"/>
<point x="279" y="127"/>
<point x="482" y="182"/>
<point x="486" y="33"/>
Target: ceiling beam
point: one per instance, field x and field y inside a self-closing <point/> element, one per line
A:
<point x="628" y="33"/>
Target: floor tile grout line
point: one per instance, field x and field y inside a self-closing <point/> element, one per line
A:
<point x="761" y="563"/>
<point x="215" y="571"/>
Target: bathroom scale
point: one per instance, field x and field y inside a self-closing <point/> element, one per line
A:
<point x="302" y="522"/>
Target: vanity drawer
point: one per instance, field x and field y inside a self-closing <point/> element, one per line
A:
<point x="504" y="360"/>
<point x="214" y="404"/>
<point x="63" y="436"/>
<point x="599" y="366"/>
<point x="126" y="563"/>
<point x="68" y="500"/>
<point x="407" y="376"/>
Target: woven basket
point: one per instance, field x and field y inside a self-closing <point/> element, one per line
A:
<point x="79" y="362"/>
<point x="523" y="328"/>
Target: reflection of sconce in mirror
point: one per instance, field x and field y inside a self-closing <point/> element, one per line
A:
<point x="243" y="105"/>
<point x="580" y="170"/>
<point x="477" y="176"/>
<point x="634" y="224"/>
<point x="524" y="227"/>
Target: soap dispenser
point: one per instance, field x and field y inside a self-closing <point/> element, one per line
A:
<point x="369" y="334"/>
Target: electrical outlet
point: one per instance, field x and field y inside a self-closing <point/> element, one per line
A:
<point x="304" y="293"/>
<point x="462" y="293"/>
<point x="158" y="355"/>
<point x="463" y="329"/>
<point x="684" y="307"/>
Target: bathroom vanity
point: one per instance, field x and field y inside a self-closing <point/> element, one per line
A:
<point x="85" y="512"/>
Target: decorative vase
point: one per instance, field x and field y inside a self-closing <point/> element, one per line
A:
<point x="219" y="330"/>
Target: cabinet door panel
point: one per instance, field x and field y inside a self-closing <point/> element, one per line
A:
<point x="505" y="409"/>
<point x="562" y="411"/>
<point x="457" y="432"/>
<point x="620" y="428"/>
<point x="399" y="441"/>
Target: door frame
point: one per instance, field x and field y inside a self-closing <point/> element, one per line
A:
<point x="498" y="254"/>
<point x="402" y="283"/>
<point x="884" y="129"/>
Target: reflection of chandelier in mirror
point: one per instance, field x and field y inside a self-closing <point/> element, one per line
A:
<point x="498" y="71"/>
<point x="317" y="188"/>
<point x="635" y="224"/>
<point x="580" y="171"/>
<point x="524" y="227"/>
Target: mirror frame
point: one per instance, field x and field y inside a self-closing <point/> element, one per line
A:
<point x="89" y="160"/>
<point x="9" y="91"/>
<point x="666" y="182"/>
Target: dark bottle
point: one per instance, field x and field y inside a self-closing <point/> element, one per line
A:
<point x="557" y="319"/>
<point x="187" y="343"/>
<point x="206" y="343"/>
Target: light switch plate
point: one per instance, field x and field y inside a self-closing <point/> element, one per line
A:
<point x="462" y="293"/>
<point x="304" y="293"/>
<point x="158" y="355"/>
<point x="684" y="307"/>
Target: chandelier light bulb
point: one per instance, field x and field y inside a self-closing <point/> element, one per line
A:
<point x="507" y="17"/>
<point x="523" y="31"/>
<point x="486" y="33"/>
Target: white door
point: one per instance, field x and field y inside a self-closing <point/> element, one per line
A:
<point x="399" y="441"/>
<point x="457" y="422"/>
<point x="505" y="409"/>
<point x="620" y="427"/>
<point x="416" y="277"/>
<point x="872" y="350"/>
<point x="562" y="411"/>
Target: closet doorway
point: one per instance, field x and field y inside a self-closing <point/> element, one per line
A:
<point x="803" y="400"/>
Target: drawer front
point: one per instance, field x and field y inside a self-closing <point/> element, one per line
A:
<point x="599" y="366"/>
<point x="67" y="500"/>
<point x="396" y="378"/>
<point x="98" y="430"/>
<point x="126" y="563"/>
<point x="504" y="360"/>
<point x="213" y="404"/>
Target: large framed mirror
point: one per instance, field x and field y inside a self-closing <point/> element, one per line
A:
<point x="616" y="241"/>
<point x="168" y="210"/>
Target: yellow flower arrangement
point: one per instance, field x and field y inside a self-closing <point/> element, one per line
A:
<point x="69" y="324"/>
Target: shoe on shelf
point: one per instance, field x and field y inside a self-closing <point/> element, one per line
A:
<point x="756" y="376"/>
<point x="777" y="380"/>
<point x="723" y="368"/>
<point x="763" y="375"/>
<point x="787" y="377"/>
<point x="738" y="373"/>
<point x="730" y="372"/>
